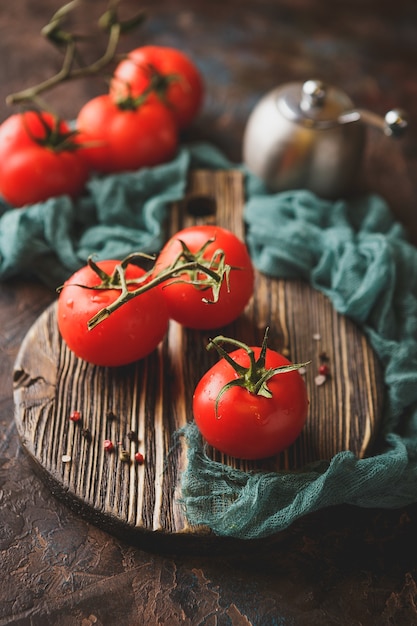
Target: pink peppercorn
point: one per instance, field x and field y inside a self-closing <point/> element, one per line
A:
<point x="139" y="458"/>
<point x="324" y="369"/>
<point x="75" y="416"/>
<point x="108" y="445"/>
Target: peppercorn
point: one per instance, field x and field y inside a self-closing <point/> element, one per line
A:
<point x="324" y="369"/>
<point x="132" y="436"/>
<point x="108" y="445"/>
<point x="124" y="455"/>
<point x="75" y="416"/>
<point x="139" y="458"/>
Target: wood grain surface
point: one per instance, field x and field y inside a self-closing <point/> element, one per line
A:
<point x="152" y="398"/>
<point x="344" y="565"/>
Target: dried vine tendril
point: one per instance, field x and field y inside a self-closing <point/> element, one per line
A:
<point x="69" y="43"/>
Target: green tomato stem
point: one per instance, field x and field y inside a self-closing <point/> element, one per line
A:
<point x="214" y="271"/>
<point x="253" y="378"/>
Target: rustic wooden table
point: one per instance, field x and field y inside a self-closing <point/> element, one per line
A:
<point x="345" y="566"/>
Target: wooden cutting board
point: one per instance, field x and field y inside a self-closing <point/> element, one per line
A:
<point x="152" y="398"/>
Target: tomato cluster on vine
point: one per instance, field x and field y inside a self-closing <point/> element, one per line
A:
<point x="155" y="93"/>
<point x="112" y="312"/>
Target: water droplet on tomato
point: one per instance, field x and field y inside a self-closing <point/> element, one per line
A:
<point x="98" y="297"/>
<point x="70" y="303"/>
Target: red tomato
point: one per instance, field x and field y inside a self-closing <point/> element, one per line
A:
<point x="184" y="300"/>
<point x="130" y="333"/>
<point x="175" y="79"/>
<point x="126" y="139"/>
<point x="39" y="159"/>
<point x="247" y="425"/>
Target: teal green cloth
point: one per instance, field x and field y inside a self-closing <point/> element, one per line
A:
<point x="357" y="255"/>
<point x="117" y="214"/>
<point x="354" y="252"/>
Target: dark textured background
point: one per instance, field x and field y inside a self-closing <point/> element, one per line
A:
<point x="342" y="567"/>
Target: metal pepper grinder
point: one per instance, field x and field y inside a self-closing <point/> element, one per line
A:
<point x="310" y="136"/>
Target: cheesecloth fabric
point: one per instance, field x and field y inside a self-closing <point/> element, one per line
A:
<point x="352" y="251"/>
